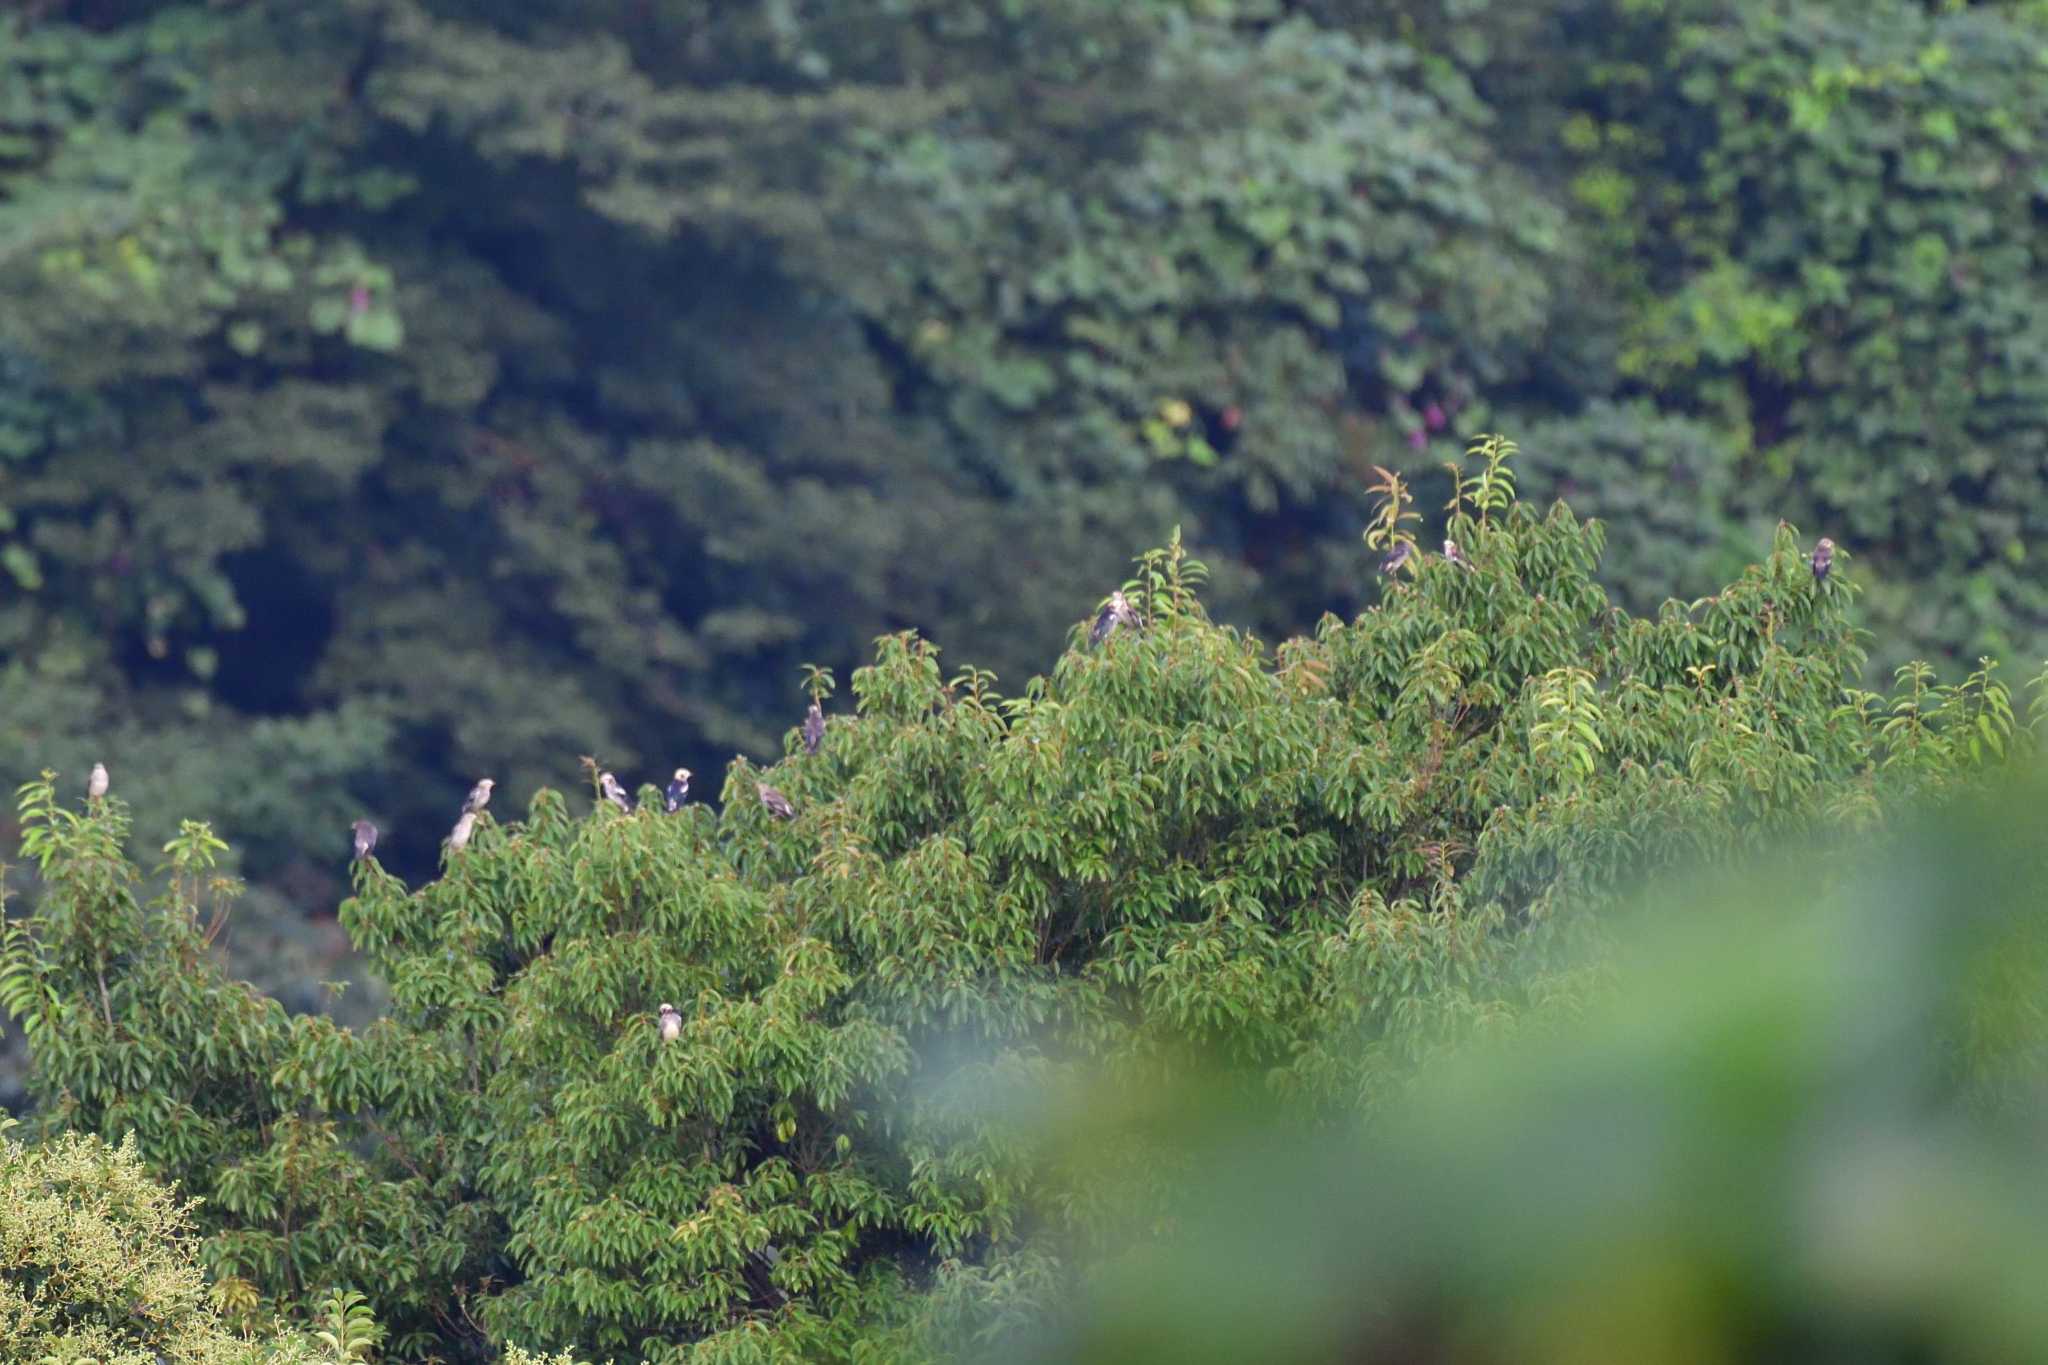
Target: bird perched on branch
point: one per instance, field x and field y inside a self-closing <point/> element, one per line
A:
<point x="1393" y="562"/>
<point x="366" y="839"/>
<point x="1117" y="611"/>
<point x="613" y="792"/>
<point x="777" y="804"/>
<point x="760" y="1265"/>
<point x="96" y="785"/>
<point x="678" y="791"/>
<point x="814" y="727"/>
<point x="671" y="1023"/>
<point x="458" y="838"/>
<point x="479" y="797"/>
<point x="1456" y="555"/>
<point x="1823" y="560"/>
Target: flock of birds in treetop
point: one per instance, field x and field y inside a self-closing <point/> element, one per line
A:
<point x="609" y="788"/>
<point x="1115" y="613"/>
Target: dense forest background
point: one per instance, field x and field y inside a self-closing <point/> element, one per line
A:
<point x="398" y="391"/>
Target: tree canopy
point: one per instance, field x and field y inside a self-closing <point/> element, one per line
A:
<point x="1312" y="865"/>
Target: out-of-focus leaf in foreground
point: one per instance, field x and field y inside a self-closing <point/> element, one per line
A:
<point x="1805" y="1122"/>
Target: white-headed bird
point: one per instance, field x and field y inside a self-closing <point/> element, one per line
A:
<point x="1823" y="560"/>
<point x="1117" y="611"/>
<point x="458" y="838"/>
<point x="777" y="804"/>
<point x="1456" y="555"/>
<point x="678" y="791"/>
<point x="96" y="785"/>
<point x="613" y="792"/>
<point x="479" y="797"/>
<point x="366" y="839"/>
<point x="814" y="727"/>
<point x="671" y="1023"/>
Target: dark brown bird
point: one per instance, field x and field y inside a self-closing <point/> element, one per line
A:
<point x="479" y="797"/>
<point x="1115" y="612"/>
<point x="366" y="839"/>
<point x="671" y="1023"/>
<point x="1393" y="562"/>
<point x="814" y="727"/>
<point x="613" y="792"/>
<point x="777" y="804"/>
<point x="1823" y="560"/>
<point x="1456" y="555"/>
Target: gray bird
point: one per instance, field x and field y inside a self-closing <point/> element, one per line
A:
<point x="479" y="797"/>
<point x="1456" y="555"/>
<point x="613" y="792"/>
<point x="366" y="839"/>
<point x="760" y="1264"/>
<point x="678" y="791"/>
<point x="814" y="727"/>
<point x="96" y="785"/>
<point x="1393" y="562"/>
<point x="1823" y="560"/>
<point x="1117" y="611"/>
<point x="777" y="804"/>
<point x="458" y="838"/>
<point x="671" y="1024"/>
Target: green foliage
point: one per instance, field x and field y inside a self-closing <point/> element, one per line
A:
<point x="100" y="1265"/>
<point x="820" y="320"/>
<point x="119" y="996"/>
<point x="1820" y="232"/>
<point x="97" y="1263"/>
<point x="398" y="390"/>
<point x="1311" y="866"/>
<point x="1803" y="1112"/>
<point x="348" y="1329"/>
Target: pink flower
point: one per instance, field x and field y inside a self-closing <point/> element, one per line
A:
<point x="1433" y="417"/>
<point x="358" y="300"/>
<point x="1417" y="439"/>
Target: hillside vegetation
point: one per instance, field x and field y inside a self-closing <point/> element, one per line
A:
<point x="395" y="391"/>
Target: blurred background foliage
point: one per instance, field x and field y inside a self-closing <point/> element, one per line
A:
<point x="398" y="391"/>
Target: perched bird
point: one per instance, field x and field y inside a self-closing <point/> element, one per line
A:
<point x="458" y="838"/>
<point x="479" y="797"/>
<point x="1456" y="555"/>
<point x="613" y="792"/>
<point x="1115" y="612"/>
<point x="678" y="791"/>
<point x="777" y="804"/>
<point x="1823" y="560"/>
<point x="671" y="1023"/>
<point x="814" y="727"/>
<point x="760" y="1264"/>
<point x="366" y="839"/>
<point x="1393" y="562"/>
<point x="96" y="785"/>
